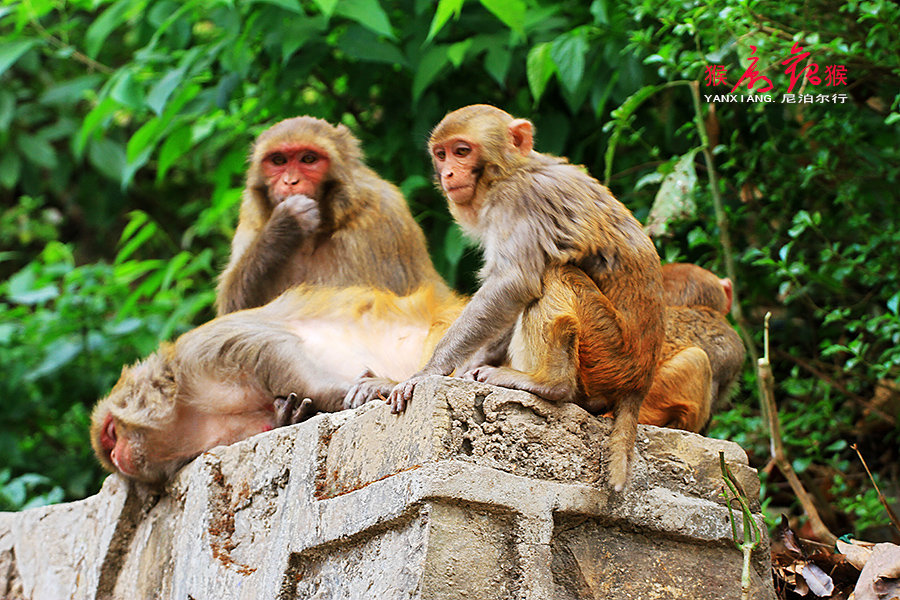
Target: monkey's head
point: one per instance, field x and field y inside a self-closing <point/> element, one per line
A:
<point x="686" y="284"/>
<point x="299" y="156"/>
<point x="475" y="145"/>
<point x="129" y="427"/>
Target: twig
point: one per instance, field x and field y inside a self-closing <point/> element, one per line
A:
<point x="751" y="535"/>
<point x="76" y="54"/>
<point x="722" y="224"/>
<point x="884" y="503"/>
<point x="767" y="387"/>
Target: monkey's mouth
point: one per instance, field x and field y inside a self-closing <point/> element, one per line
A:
<point x="461" y="194"/>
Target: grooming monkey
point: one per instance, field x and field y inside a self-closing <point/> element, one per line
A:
<point x="313" y="212"/>
<point x="569" y="277"/>
<point x="702" y="354"/>
<point x="216" y="384"/>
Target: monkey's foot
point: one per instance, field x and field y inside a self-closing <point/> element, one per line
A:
<point x="368" y="387"/>
<point x="292" y="410"/>
<point x="402" y="393"/>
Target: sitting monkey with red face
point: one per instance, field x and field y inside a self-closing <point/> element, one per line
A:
<point x="313" y="212"/>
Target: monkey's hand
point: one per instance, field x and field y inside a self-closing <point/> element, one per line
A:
<point x="402" y="393"/>
<point x="299" y="209"/>
<point x="484" y="374"/>
<point x="368" y="387"/>
<point x="292" y="410"/>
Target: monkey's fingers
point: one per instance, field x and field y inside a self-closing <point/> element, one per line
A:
<point x="284" y="409"/>
<point x="482" y="373"/>
<point x="402" y="394"/>
<point x="303" y="411"/>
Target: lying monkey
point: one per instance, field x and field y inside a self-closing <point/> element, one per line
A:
<point x="216" y="384"/>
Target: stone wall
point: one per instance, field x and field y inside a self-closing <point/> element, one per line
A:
<point x="475" y="492"/>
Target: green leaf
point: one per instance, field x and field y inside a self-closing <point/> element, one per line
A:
<point x="457" y="52"/>
<point x="893" y="303"/>
<point x="37" y="150"/>
<point x="445" y="9"/>
<point x="600" y="12"/>
<point x="434" y="59"/>
<point x="367" y="13"/>
<point x="621" y="117"/>
<point x="103" y="25"/>
<point x="10" y="169"/>
<point x="291" y="5"/>
<point x="93" y="120"/>
<point x="176" y="145"/>
<point x="497" y="62"/>
<point x="511" y="12"/>
<point x="326" y="6"/>
<point x="362" y="44"/>
<point x="144" y="138"/>
<point x="108" y="157"/>
<point x="568" y="52"/>
<point x="71" y="91"/>
<point x="675" y="199"/>
<point x="10" y="52"/>
<point x="127" y="91"/>
<point x="160" y="93"/>
<point x="7" y="109"/>
<point x="540" y="68"/>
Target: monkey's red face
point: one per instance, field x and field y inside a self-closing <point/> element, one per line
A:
<point x="457" y="163"/>
<point x="115" y="447"/>
<point x="290" y="170"/>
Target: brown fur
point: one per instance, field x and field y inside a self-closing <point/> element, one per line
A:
<point x="216" y="384"/>
<point x="362" y="232"/>
<point x="702" y="355"/>
<point x="567" y="268"/>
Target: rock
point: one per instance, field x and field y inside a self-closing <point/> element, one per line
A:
<point x="474" y="492"/>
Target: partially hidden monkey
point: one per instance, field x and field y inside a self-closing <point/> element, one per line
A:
<point x="569" y="277"/>
<point x="702" y="354"/>
<point x="216" y="384"/>
<point x="313" y="212"/>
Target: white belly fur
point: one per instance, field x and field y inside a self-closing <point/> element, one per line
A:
<point x="389" y="348"/>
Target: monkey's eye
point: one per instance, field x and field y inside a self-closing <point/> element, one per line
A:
<point x="462" y="151"/>
<point x="440" y="154"/>
<point x="309" y="158"/>
<point x="278" y="159"/>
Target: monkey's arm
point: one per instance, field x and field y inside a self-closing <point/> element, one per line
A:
<point x="489" y="315"/>
<point x="259" y="255"/>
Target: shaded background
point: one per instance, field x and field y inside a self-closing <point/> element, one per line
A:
<point x="125" y="127"/>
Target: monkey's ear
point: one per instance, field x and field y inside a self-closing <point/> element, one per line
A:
<point x="521" y="133"/>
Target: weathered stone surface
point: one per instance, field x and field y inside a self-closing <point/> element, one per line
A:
<point x="474" y="492"/>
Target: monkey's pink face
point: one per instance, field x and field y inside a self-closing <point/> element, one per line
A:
<point x="294" y="169"/>
<point x="116" y="447"/>
<point x="457" y="163"/>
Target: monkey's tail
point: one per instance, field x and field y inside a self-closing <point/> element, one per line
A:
<point x="622" y="439"/>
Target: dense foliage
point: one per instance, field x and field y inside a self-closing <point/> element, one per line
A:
<point x="124" y="128"/>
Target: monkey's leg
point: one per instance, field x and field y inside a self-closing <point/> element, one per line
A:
<point x="541" y="357"/>
<point x="681" y="393"/>
<point x="242" y="348"/>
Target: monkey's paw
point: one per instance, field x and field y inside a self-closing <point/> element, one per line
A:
<point x="484" y="374"/>
<point x="304" y="210"/>
<point x="368" y="387"/>
<point x="402" y="393"/>
<point x="292" y="410"/>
